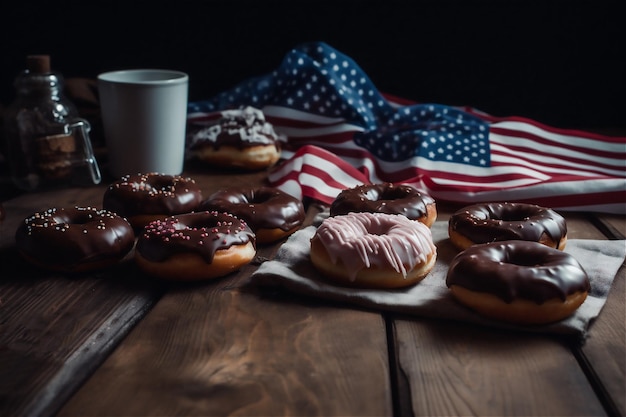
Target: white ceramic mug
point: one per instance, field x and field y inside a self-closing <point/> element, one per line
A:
<point x="144" y="117"/>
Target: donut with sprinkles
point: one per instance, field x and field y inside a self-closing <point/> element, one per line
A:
<point x="195" y="246"/>
<point x="74" y="239"/>
<point x="142" y="198"/>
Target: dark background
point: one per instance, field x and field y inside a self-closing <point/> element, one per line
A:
<point x="558" y="62"/>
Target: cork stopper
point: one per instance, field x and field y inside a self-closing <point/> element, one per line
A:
<point x="38" y="64"/>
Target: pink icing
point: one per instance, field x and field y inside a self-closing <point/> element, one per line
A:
<point x="363" y="240"/>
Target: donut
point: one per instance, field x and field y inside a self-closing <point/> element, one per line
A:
<point x="195" y="246"/>
<point x="386" y="198"/>
<point x="271" y="213"/>
<point x="492" y="222"/>
<point x="373" y="250"/>
<point x="518" y="281"/>
<point x="240" y="138"/>
<point x="74" y="239"/>
<point x="142" y="198"/>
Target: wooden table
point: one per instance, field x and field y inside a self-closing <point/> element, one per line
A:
<point x="117" y="343"/>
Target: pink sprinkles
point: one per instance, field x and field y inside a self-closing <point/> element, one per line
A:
<point x="171" y="229"/>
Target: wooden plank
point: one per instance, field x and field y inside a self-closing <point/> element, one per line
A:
<point x="456" y="369"/>
<point x="213" y="349"/>
<point x="222" y="348"/>
<point x="604" y="352"/>
<point x="57" y="329"/>
<point x="612" y="225"/>
<point x="469" y="370"/>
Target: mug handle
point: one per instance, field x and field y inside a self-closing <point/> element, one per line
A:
<point x="81" y="127"/>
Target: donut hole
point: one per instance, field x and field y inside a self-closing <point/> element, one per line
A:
<point x="379" y="228"/>
<point x="260" y="198"/>
<point x="378" y="231"/>
<point x="198" y="223"/>
<point x="150" y="185"/>
<point x="79" y="217"/>
<point x="159" y="183"/>
<point x="523" y="262"/>
<point x="389" y="193"/>
<point x="531" y="255"/>
<point x="509" y="213"/>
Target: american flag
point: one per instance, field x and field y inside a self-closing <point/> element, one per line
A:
<point x="340" y="131"/>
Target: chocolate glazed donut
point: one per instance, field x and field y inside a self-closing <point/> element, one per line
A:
<point x="203" y="233"/>
<point x="74" y="239"/>
<point x="195" y="246"/>
<point x="518" y="281"/>
<point x="271" y="213"/>
<point x="386" y="198"/>
<point x="142" y="198"/>
<point x="482" y="223"/>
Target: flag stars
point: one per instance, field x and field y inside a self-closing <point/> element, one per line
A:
<point x="317" y="79"/>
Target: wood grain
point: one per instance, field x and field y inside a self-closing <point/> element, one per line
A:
<point x="56" y="330"/>
<point x="208" y="350"/>
<point x="118" y="343"/>
<point x="471" y="371"/>
<point x="603" y="356"/>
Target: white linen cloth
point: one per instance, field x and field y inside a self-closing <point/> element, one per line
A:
<point x="291" y="269"/>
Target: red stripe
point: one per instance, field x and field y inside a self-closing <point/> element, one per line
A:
<point x="575" y="200"/>
<point x="277" y="122"/>
<point x="333" y="148"/>
<point x="533" y="165"/>
<point x="591" y="150"/>
<point x="330" y="139"/>
<point x="560" y="131"/>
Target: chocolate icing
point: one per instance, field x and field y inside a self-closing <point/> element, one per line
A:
<point x="238" y="128"/>
<point x="482" y="223"/>
<point x="382" y="198"/>
<point x="71" y="236"/>
<point x="152" y="193"/>
<point x="261" y="208"/>
<point x="518" y="269"/>
<point x="202" y="233"/>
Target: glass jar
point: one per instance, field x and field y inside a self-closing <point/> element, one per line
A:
<point x="48" y="144"/>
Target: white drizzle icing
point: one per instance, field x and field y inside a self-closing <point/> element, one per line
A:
<point x="254" y="129"/>
<point x="363" y="240"/>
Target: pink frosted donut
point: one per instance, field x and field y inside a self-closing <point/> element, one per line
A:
<point x="373" y="250"/>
